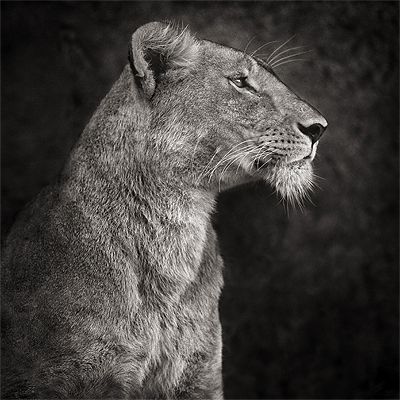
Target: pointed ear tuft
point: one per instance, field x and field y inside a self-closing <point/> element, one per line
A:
<point x="157" y="47"/>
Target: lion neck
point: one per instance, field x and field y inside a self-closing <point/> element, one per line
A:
<point x="142" y="195"/>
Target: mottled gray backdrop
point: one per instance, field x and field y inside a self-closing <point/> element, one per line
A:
<point x="310" y="305"/>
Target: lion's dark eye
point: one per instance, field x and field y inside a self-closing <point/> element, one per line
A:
<point x="240" y="82"/>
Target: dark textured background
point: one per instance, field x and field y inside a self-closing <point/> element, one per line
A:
<point x="310" y="305"/>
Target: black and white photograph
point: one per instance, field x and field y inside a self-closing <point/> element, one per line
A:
<point x="200" y="200"/>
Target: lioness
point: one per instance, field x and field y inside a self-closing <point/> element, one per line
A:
<point x="111" y="277"/>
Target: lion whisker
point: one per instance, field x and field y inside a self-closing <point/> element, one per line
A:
<point x="267" y="160"/>
<point x="263" y="150"/>
<point x="195" y="148"/>
<point x="227" y="157"/>
<point x="236" y="155"/>
<point x="205" y="170"/>
<point x="240" y="163"/>
<point x="257" y="152"/>
<point x="232" y="161"/>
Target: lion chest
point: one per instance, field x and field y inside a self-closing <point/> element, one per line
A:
<point x="177" y="330"/>
<point x="174" y="340"/>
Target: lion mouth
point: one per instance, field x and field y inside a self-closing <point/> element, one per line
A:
<point x="264" y="164"/>
<point x="313" y="152"/>
<point x="310" y="157"/>
<point x="261" y="163"/>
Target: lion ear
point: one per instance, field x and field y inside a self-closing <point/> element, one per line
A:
<point x="157" y="47"/>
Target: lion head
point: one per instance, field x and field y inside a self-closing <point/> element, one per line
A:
<point x="223" y="115"/>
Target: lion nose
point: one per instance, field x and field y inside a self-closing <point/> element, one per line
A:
<point x="313" y="130"/>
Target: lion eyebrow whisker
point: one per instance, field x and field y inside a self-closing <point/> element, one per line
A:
<point x="277" y="62"/>
<point x="289" y="61"/>
<point x="262" y="46"/>
<point x="276" y="56"/>
<point x="248" y="43"/>
<point x="279" y="47"/>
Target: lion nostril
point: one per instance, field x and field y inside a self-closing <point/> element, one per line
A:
<point x="313" y="131"/>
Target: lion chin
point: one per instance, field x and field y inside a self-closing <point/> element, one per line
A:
<point x="291" y="180"/>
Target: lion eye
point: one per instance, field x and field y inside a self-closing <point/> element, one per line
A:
<point x="240" y="82"/>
